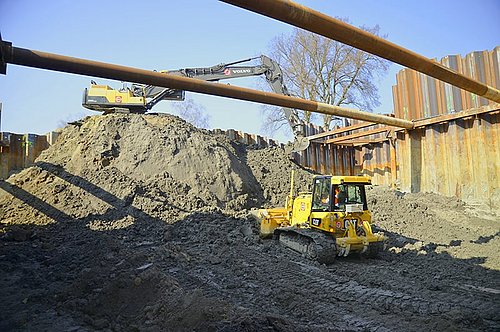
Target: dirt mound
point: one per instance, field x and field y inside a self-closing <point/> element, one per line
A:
<point x="140" y="223"/>
<point x="272" y="170"/>
<point x="117" y="168"/>
<point x="424" y="221"/>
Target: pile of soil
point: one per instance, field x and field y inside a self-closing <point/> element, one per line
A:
<point x="120" y="166"/>
<point x="143" y="223"/>
<point x="445" y="224"/>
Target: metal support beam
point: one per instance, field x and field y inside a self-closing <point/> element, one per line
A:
<point x="459" y="115"/>
<point x="56" y="62"/>
<point x="309" y="19"/>
<point x="360" y="142"/>
<point x="357" y="135"/>
<point x="340" y="130"/>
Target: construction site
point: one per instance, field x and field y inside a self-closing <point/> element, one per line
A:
<point x="131" y="220"/>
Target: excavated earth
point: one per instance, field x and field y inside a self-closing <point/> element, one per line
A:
<point x="144" y="223"/>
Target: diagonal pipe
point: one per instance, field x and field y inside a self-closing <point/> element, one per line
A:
<point x="56" y="62"/>
<point x="314" y="21"/>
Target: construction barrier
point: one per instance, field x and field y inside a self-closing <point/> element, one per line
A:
<point x="418" y="96"/>
<point x="453" y="154"/>
<point x="18" y="151"/>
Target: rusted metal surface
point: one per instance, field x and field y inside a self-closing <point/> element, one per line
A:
<point x="460" y="157"/>
<point x="418" y="96"/>
<point x="340" y="130"/>
<point x="393" y="157"/>
<point x="350" y="154"/>
<point x="361" y="142"/>
<point x="342" y="157"/>
<point x="359" y="134"/>
<point x="309" y="19"/>
<point x="375" y="161"/>
<point x="50" y="61"/>
<point x="18" y="151"/>
<point x="459" y="115"/>
<point x="453" y="154"/>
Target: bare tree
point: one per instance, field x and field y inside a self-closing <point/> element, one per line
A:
<point x="193" y="113"/>
<point x="324" y="70"/>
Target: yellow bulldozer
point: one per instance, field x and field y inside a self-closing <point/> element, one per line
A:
<point x="332" y="220"/>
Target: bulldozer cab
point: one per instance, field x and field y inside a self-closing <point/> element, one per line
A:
<point x="332" y="194"/>
<point x="348" y="194"/>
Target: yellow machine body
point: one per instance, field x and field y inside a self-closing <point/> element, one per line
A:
<point x="345" y="218"/>
<point x="105" y="99"/>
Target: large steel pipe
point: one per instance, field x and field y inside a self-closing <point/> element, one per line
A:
<point x="309" y="19"/>
<point x="38" y="59"/>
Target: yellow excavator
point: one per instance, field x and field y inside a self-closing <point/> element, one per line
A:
<point x="140" y="98"/>
<point x="332" y="220"/>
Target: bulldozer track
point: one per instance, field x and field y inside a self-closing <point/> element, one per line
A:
<point x="315" y="245"/>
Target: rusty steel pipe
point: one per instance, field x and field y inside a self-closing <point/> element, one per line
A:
<point x="56" y="62"/>
<point x="314" y="21"/>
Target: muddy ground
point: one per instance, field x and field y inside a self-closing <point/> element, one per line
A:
<point x="143" y="223"/>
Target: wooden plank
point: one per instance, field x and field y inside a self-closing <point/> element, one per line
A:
<point x="341" y="130"/>
<point x="454" y="116"/>
<point x="360" y="134"/>
<point x="360" y="142"/>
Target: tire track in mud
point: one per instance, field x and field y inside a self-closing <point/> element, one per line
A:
<point x="322" y="299"/>
<point x="437" y="299"/>
<point x="326" y="308"/>
<point x="377" y="297"/>
<point x="418" y="301"/>
<point x="356" y="294"/>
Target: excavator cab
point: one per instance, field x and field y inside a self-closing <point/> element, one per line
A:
<point x="135" y="99"/>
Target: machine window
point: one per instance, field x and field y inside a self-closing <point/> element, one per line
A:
<point x="348" y="194"/>
<point x="321" y="194"/>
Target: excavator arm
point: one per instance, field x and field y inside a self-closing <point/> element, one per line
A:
<point x="215" y="73"/>
<point x="274" y="76"/>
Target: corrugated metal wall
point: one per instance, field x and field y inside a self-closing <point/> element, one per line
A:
<point x="18" y="151"/>
<point x="453" y="155"/>
<point x="372" y="159"/>
<point x="375" y="161"/>
<point x="457" y="158"/>
<point x="327" y="158"/>
<point x="418" y="96"/>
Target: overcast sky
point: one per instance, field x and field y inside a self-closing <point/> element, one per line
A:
<point x="197" y="33"/>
